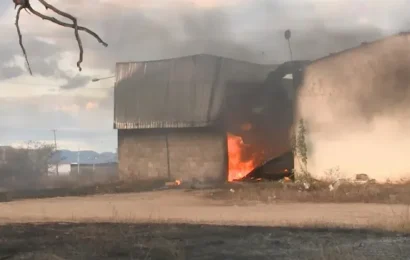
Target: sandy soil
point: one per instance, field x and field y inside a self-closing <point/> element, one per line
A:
<point x="177" y="206"/>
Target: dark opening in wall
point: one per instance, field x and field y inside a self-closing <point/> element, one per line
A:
<point x="258" y="122"/>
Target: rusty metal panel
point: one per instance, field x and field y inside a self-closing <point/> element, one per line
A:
<point x="175" y="93"/>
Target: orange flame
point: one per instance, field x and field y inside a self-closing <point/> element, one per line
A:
<point x="246" y="127"/>
<point x="238" y="168"/>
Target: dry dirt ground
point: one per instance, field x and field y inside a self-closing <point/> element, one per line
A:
<point x="176" y="224"/>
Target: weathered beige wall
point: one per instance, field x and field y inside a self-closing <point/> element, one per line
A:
<point x="198" y="154"/>
<point x="142" y="154"/>
<point x="194" y="153"/>
<point x="356" y="106"/>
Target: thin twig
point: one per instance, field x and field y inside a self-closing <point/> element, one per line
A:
<point x="81" y="28"/>
<point x="21" y="38"/>
<point x="75" y="25"/>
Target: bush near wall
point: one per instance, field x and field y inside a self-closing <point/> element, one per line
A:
<point x="25" y="165"/>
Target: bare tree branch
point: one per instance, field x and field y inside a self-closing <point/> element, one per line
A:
<point x="25" y="4"/>
<point x="72" y="18"/>
<point x="63" y="24"/>
<point x="21" y="38"/>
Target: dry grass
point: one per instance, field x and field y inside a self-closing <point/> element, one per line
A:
<point x="330" y="249"/>
<point x="75" y="181"/>
<point x="266" y="192"/>
<point x="317" y="192"/>
<point x="67" y="186"/>
<point x="179" y="242"/>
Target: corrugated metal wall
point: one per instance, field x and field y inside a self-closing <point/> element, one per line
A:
<point x="182" y="92"/>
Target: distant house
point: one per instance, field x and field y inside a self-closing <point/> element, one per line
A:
<point x="63" y="169"/>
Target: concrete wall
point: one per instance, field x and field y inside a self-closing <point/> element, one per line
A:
<point x="108" y="169"/>
<point x="356" y="108"/>
<point x="178" y="154"/>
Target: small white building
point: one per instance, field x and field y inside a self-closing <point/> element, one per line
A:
<point x="63" y="169"/>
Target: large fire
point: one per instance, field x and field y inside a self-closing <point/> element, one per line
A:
<point x="238" y="167"/>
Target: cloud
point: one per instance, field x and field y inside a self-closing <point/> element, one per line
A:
<point x="69" y="109"/>
<point x="91" y="105"/>
<point x="8" y="72"/>
<point x="43" y="57"/>
<point x="59" y="96"/>
<point x="251" y="30"/>
<point x="76" y="82"/>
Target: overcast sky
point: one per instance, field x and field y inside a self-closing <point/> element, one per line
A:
<point x="59" y="97"/>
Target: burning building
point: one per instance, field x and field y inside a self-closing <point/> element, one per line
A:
<point x="199" y="117"/>
<point x="211" y="118"/>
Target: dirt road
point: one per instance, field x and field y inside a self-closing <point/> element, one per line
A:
<point x="145" y="226"/>
<point x="177" y="206"/>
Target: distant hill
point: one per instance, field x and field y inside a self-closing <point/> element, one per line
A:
<point x="68" y="156"/>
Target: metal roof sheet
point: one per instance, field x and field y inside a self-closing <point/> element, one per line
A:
<point x="181" y="92"/>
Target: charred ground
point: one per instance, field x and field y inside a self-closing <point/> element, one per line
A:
<point x="164" y="241"/>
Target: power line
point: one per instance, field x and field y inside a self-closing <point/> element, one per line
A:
<point x="29" y="84"/>
<point x="49" y="85"/>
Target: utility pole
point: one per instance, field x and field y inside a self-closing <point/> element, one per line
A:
<point x="296" y="73"/>
<point x="3" y="159"/>
<point x="287" y="37"/>
<point x="78" y="161"/>
<point x="55" y="147"/>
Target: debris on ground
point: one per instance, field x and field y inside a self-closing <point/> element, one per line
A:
<point x="306" y="185"/>
<point x="360" y="179"/>
<point x="336" y="184"/>
<point x="173" y="183"/>
<point x="364" y="179"/>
